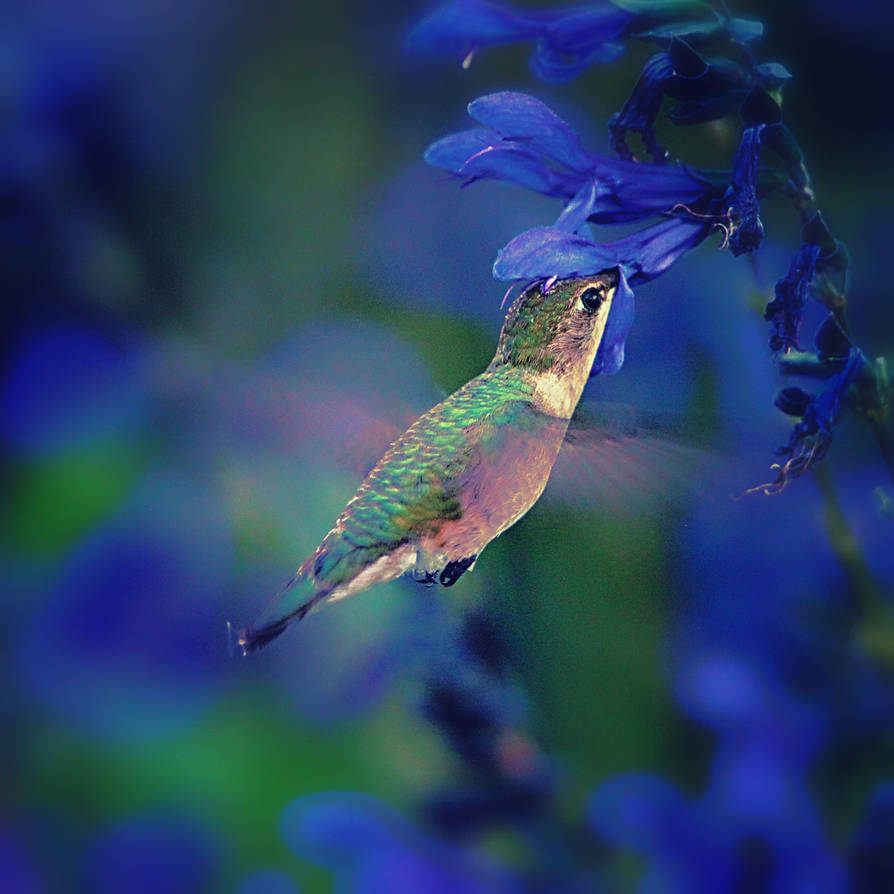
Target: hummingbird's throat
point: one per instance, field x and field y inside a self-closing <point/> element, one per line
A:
<point x="558" y="388"/>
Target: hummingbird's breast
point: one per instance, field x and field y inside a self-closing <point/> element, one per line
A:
<point x="459" y="476"/>
<point x="512" y="448"/>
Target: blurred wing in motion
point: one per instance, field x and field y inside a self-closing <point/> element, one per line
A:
<point x="625" y="461"/>
<point x="331" y="392"/>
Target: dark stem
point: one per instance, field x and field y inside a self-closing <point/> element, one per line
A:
<point x="885" y="441"/>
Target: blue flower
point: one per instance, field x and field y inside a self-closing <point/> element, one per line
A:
<point x="545" y="252"/>
<point x="151" y="853"/>
<point x="755" y="827"/>
<point x="127" y="645"/>
<point x="370" y="848"/>
<point x="705" y="89"/>
<point x="811" y="437"/>
<point x="746" y="229"/>
<point x="641" y="108"/>
<point x="267" y="881"/>
<point x="17" y="869"/>
<point x="567" y="40"/>
<point x="786" y="310"/>
<point x="529" y="145"/>
<point x="68" y="388"/>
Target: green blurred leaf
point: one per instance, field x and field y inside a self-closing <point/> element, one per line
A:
<point x="54" y="501"/>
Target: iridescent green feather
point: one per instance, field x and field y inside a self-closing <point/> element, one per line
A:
<point x="416" y="486"/>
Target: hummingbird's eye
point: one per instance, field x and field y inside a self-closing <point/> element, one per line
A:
<point x="592" y="298"/>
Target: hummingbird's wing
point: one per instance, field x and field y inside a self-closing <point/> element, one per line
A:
<point x="626" y="461"/>
<point x="448" y="484"/>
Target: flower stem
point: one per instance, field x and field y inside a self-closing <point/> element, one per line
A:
<point x="885" y="441"/>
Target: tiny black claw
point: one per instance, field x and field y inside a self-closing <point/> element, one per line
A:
<point x="453" y="571"/>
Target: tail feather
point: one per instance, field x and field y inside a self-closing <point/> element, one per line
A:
<point x="252" y="638"/>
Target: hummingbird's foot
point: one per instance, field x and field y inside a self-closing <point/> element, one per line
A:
<point x="426" y="578"/>
<point x="453" y="571"/>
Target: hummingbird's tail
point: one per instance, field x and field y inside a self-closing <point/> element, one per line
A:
<point x="252" y="637"/>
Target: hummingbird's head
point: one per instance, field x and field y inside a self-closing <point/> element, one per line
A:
<point x="557" y="330"/>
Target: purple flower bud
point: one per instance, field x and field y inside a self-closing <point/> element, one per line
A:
<point x="746" y="231"/>
<point x="786" y="309"/>
<point x="641" y="109"/>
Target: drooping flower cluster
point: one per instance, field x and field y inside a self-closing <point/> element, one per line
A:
<point x="526" y="144"/>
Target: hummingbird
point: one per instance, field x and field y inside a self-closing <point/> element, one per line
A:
<point x="467" y="469"/>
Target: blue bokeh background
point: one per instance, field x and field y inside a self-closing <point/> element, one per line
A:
<point x="230" y="280"/>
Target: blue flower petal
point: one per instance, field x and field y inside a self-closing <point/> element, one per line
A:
<point x="610" y="356"/>
<point x="641" y="108"/>
<point x="568" y="40"/>
<point x="515" y="164"/>
<point x="744" y="30"/>
<point x="533" y="147"/>
<point x="452" y="152"/>
<point x="786" y="309"/>
<point x="641" y="190"/>
<point x="517" y="116"/>
<point x="650" y="252"/>
<point x="580" y="29"/>
<point x="464" y="25"/>
<point x="544" y="252"/>
<point x="744" y="210"/>
<point x="553" y="65"/>
<point x="579" y="209"/>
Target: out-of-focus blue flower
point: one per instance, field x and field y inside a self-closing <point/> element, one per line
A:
<point x="17" y="871"/>
<point x="370" y="848"/>
<point x="151" y="853"/>
<point x="129" y="643"/>
<point x="471" y="699"/>
<point x="722" y="567"/>
<point x="68" y="388"/>
<point x="787" y="308"/>
<point x="746" y="228"/>
<point x="871" y="854"/>
<point x="267" y="881"/>
<point x="756" y="827"/>
<point x="568" y="40"/>
<point x="529" y="145"/>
